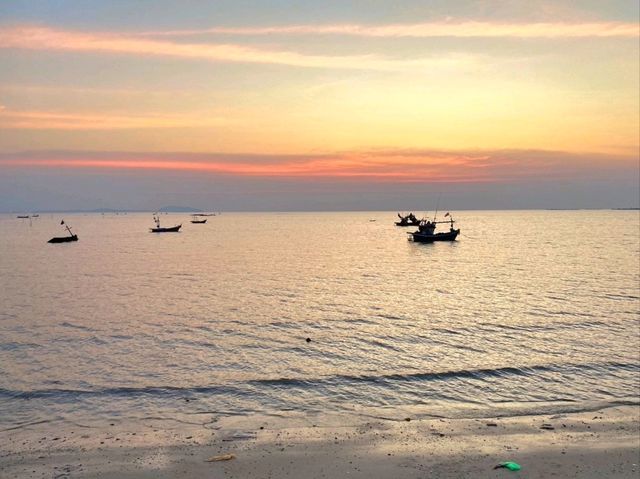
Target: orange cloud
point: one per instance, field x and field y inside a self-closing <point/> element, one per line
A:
<point x="468" y="29"/>
<point x="383" y="166"/>
<point x="78" y="121"/>
<point x="43" y="38"/>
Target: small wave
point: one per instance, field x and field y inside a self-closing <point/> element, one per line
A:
<point x="367" y="321"/>
<point x="456" y="374"/>
<point x="447" y="375"/>
<point x="388" y="316"/>
<point x="66" y="324"/>
<point x="14" y="346"/>
<point x="621" y="297"/>
<point x="466" y="347"/>
<point x="559" y="325"/>
<point x="59" y="393"/>
<point x="26" y="424"/>
<point x="311" y="383"/>
<point x="452" y="331"/>
<point x="381" y="344"/>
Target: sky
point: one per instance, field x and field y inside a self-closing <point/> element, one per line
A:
<point x="333" y="105"/>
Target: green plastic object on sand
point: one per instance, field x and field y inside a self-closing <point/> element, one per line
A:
<point x="512" y="466"/>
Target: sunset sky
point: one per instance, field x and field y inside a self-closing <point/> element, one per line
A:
<point x="282" y="105"/>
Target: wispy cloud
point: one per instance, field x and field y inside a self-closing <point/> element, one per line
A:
<point x="375" y="165"/>
<point x="57" y="89"/>
<point x="43" y="38"/>
<point x="465" y="29"/>
<point x="45" y="120"/>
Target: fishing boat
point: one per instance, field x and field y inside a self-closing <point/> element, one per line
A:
<point x="196" y="221"/>
<point x="64" y="239"/>
<point x="22" y="217"/>
<point x="426" y="231"/>
<point x="408" y="220"/>
<point x="159" y="229"/>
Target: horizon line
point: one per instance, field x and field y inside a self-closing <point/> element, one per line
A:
<point x="98" y="211"/>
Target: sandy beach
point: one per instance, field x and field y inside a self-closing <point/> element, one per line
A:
<point x="596" y="444"/>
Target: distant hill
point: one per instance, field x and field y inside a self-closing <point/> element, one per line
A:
<point x="105" y="210"/>
<point x="179" y="209"/>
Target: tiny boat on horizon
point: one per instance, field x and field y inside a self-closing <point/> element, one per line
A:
<point x="160" y="229"/>
<point x="64" y="239"/>
<point x="196" y="221"/>
<point x="408" y="220"/>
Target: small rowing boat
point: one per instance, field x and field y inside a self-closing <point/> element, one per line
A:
<point x="64" y="239"/>
<point x="160" y="229"/>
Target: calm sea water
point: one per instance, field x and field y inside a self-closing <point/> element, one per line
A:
<point x="527" y="311"/>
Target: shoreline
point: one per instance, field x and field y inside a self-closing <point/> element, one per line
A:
<point x="588" y="444"/>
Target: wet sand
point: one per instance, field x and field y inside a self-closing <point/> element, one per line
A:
<point x="604" y="443"/>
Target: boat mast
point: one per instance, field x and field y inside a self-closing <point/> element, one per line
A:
<point x="67" y="226"/>
<point x="437" y="203"/>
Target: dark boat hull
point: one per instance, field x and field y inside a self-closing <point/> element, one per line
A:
<point x="173" y="229"/>
<point x="198" y="222"/>
<point x="63" y="239"/>
<point x="425" y="238"/>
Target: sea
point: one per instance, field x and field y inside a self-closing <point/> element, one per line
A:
<point x="315" y="315"/>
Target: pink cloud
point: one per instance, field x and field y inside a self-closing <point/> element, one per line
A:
<point x="465" y="29"/>
<point x="46" y="120"/>
<point x="43" y="38"/>
<point x="375" y="165"/>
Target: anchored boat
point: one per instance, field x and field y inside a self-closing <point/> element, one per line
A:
<point x="159" y="229"/>
<point x="408" y="220"/>
<point x="426" y="231"/>
<point x="64" y="239"/>
<point x="196" y="221"/>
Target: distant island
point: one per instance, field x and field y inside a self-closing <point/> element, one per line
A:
<point x="106" y="210"/>
<point x="179" y="209"/>
<point x="164" y="209"/>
